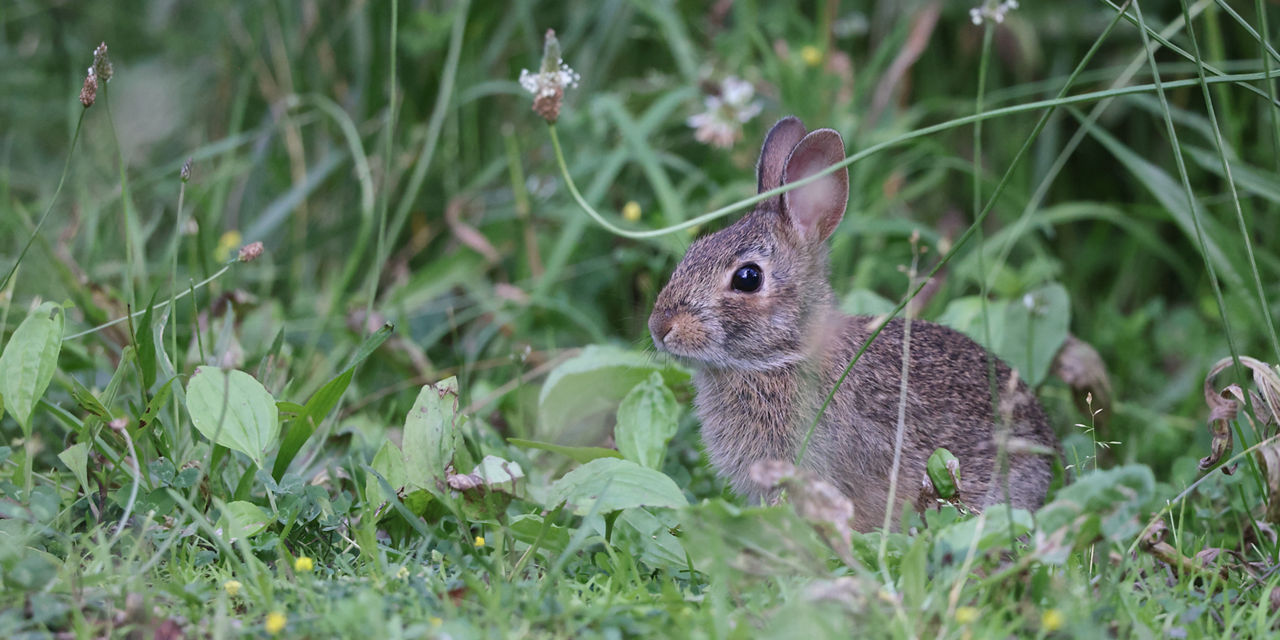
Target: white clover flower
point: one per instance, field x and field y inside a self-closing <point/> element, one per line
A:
<point x="989" y="10"/>
<point x="721" y="124"/>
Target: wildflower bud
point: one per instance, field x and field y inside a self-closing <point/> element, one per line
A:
<point x="102" y="64"/>
<point x="250" y="252"/>
<point x="185" y="173"/>
<point x="89" y="92"/>
<point x="548" y="85"/>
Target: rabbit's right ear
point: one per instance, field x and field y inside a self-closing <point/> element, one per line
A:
<point x="782" y="138"/>
<point x="815" y="209"/>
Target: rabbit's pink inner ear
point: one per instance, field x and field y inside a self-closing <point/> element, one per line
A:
<point x="815" y="209"/>
<point x="782" y="138"/>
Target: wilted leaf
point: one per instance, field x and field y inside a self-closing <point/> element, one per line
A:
<point x="609" y="484"/>
<point x="431" y="435"/>
<point x="580" y="397"/>
<point x="234" y="410"/>
<point x="1224" y="405"/>
<point x="28" y="362"/>
<point x="647" y="420"/>
<point x="1079" y="365"/>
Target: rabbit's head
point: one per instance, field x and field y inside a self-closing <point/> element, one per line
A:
<point x="748" y="296"/>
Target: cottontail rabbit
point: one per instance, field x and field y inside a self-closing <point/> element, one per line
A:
<point x="751" y="305"/>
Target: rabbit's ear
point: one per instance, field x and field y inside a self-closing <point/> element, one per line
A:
<point x="815" y="209"/>
<point x="782" y="138"/>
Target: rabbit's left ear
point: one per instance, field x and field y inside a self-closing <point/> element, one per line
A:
<point x="782" y="138"/>
<point x="815" y="209"/>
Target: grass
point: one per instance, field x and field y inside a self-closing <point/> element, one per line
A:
<point x="447" y="420"/>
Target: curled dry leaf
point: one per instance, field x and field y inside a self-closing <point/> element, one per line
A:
<point x="1224" y="405"/>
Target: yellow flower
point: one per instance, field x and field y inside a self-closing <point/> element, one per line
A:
<point x="435" y="622"/>
<point x="275" y="622"/>
<point x="402" y="573"/>
<point x="226" y="244"/>
<point x="479" y="541"/>
<point x="303" y="564"/>
<point x="965" y="615"/>
<point x="631" y="211"/>
<point x="1052" y="620"/>
<point x="811" y="55"/>
<point x="232" y="587"/>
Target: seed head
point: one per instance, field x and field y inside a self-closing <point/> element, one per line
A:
<point x="250" y="252"/>
<point x="102" y="64"/>
<point x="185" y="173"/>
<point x="89" y="92"/>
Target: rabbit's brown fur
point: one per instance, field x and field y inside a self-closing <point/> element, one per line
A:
<point x="767" y="358"/>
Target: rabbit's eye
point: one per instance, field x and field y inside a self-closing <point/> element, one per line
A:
<point x="747" y="278"/>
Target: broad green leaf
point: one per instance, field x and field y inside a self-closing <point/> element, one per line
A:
<point x="647" y="420"/>
<point x="431" y="434"/>
<point x="1026" y="332"/>
<point x="577" y="454"/>
<point x="990" y="530"/>
<point x="609" y="484"/>
<point x="28" y="362"/>
<point x="1034" y="329"/>
<point x="649" y="536"/>
<point x="527" y="527"/>
<point x="233" y="410"/>
<point x="580" y="397"/>
<point x="1102" y="504"/>
<point x="389" y="463"/>
<point x="242" y="519"/>
<point x="76" y="457"/>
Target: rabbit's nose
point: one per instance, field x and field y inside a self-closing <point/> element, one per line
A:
<point x="660" y="325"/>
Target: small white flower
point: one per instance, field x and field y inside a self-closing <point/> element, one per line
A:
<point x="545" y="84"/>
<point x="721" y="124"/>
<point x="989" y="10"/>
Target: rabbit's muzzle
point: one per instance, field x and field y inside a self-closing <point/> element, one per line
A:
<point x="677" y="331"/>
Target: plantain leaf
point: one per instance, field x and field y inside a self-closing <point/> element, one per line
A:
<point x="28" y="361"/>
<point x="609" y="484"/>
<point x="234" y="410"/>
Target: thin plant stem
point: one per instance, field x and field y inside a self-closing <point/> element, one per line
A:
<point x="379" y="247"/>
<point x="66" y="167"/>
<point x="226" y="267"/>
